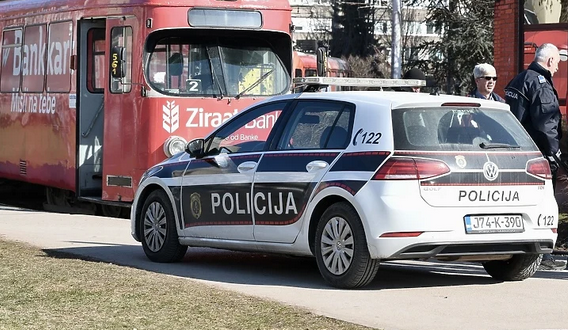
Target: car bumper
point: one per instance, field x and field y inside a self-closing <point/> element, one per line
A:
<point x="440" y="231"/>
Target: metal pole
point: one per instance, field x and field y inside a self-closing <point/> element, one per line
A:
<point x="396" y="40"/>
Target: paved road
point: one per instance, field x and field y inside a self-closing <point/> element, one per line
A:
<point x="404" y="295"/>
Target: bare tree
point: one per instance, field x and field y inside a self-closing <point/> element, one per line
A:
<point x="411" y="19"/>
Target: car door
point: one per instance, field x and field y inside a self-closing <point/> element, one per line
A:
<point x="216" y="189"/>
<point x="314" y="136"/>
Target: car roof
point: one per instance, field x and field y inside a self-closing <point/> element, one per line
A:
<point x="394" y="99"/>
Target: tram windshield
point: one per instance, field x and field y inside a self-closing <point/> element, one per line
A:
<point x="215" y="66"/>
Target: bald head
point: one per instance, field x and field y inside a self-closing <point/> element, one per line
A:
<point x="548" y="57"/>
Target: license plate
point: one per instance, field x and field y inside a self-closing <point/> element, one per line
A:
<point x="483" y="224"/>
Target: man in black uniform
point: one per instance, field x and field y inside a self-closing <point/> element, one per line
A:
<point x="414" y="73"/>
<point x="534" y="102"/>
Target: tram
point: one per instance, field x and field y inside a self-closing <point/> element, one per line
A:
<point x="94" y="92"/>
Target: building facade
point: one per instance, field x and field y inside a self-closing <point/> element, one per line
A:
<point x="312" y="21"/>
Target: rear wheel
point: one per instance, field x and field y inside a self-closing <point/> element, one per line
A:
<point x="341" y="248"/>
<point x="158" y="230"/>
<point x="518" y="268"/>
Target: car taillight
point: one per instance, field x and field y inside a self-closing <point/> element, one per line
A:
<point x="539" y="167"/>
<point x="400" y="168"/>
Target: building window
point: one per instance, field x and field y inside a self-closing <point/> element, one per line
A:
<point x="382" y="27"/>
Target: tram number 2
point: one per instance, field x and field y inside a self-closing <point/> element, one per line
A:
<point x="364" y="137"/>
<point x="193" y="85"/>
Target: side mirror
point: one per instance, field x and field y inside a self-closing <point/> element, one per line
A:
<point x="195" y="148"/>
<point x="117" y="62"/>
<point x="321" y="61"/>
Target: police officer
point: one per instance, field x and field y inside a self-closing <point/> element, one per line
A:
<point x="414" y="73"/>
<point x="534" y="101"/>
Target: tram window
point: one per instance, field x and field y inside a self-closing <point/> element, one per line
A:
<point x="58" y="54"/>
<point x="158" y="68"/>
<point x="33" y="64"/>
<point x="11" y="60"/>
<point x="214" y="67"/>
<point x="122" y="41"/>
<point x="96" y="60"/>
<point x="311" y="73"/>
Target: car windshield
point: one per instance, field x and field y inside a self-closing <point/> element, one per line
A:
<point x="215" y="66"/>
<point x="458" y="129"/>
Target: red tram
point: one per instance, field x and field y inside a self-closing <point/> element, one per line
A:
<point x="93" y="92"/>
<point x="305" y="65"/>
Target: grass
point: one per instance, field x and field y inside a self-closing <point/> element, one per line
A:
<point x="42" y="290"/>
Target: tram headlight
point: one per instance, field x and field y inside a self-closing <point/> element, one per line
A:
<point x="173" y="145"/>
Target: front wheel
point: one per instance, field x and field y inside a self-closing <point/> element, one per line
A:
<point x="341" y="248"/>
<point x="518" y="268"/>
<point x="158" y="229"/>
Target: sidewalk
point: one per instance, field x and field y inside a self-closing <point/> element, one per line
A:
<point x="89" y="236"/>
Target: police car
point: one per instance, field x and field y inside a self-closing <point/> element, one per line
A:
<point x="356" y="178"/>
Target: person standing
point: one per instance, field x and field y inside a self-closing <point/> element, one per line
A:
<point x="414" y="73"/>
<point x="485" y="77"/>
<point x="534" y="101"/>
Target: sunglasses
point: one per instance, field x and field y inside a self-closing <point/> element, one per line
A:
<point x="489" y="78"/>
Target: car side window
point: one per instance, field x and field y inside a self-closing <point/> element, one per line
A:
<point x="247" y="132"/>
<point x="318" y="125"/>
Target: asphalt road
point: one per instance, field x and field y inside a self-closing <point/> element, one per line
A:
<point x="404" y="295"/>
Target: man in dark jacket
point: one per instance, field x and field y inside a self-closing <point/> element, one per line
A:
<point x="534" y="102"/>
<point x="485" y="77"/>
<point x="414" y="73"/>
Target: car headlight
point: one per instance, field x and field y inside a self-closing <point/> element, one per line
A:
<point x="174" y="145"/>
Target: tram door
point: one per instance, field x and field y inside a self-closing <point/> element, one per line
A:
<point x="122" y="101"/>
<point x="90" y="106"/>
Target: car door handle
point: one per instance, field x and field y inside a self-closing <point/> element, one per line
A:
<point x="316" y="165"/>
<point x="246" y="167"/>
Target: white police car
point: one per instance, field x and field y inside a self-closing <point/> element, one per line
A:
<point x="354" y="178"/>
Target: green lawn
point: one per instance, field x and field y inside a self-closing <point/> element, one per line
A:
<point x="53" y="291"/>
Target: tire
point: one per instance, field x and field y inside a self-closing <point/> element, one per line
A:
<point x="518" y="268"/>
<point x="341" y="248"/>
<point x="158" y="229"/>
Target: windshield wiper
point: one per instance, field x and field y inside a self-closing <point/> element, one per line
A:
<point x="213" y="75"/>
<point x="484" y="145"/>
<point x="256" y="83"/>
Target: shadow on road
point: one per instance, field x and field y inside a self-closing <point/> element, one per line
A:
<point x="229" y="267"/>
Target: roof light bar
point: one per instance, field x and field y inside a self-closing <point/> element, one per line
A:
<point x="359" y="82"/>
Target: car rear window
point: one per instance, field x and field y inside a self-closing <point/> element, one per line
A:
<point x="458" y="129"/>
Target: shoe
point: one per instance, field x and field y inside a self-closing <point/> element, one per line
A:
<point x="551" y="264"/>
